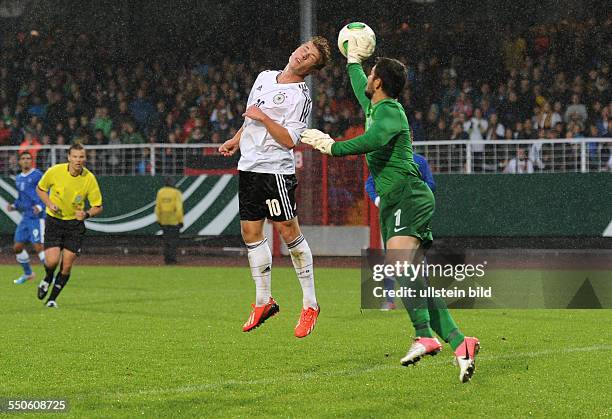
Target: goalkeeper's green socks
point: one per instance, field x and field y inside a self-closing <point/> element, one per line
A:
<point x="420" y="321"/>
<point x="443" y="324"/>
<point x="417" y="309"/>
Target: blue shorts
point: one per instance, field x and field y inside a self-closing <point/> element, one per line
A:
<point x="30" y="230"/>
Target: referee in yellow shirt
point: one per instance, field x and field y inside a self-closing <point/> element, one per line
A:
<point x="64" y="188"/>
<point x="169" y="213"/>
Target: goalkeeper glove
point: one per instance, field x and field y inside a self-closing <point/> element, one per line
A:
<point x="359" y="49"/>
<point x="318" y="140"/>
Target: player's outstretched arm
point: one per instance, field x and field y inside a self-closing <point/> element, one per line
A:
<point x="386" y="125"/>
<point x="377" y="135"/>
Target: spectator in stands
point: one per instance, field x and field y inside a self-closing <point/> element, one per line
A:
<point x="71" y="129"/>
<point x="416" y="124"/>
<point x="495" y="129"/>
<point x="169" y="126"/>
<point x="450" y="95"/>
<point x="37" y="108"/>
<point x="221" y="124"/>
<point x="142" y="110"/>
<point x="602" y="122"/>
<point x="477" y="126"/>
<point x="84" y="131"/>
<point x="99" y="138"/>
<point x="66" y="98"/>
<point x="143" y="165"/>
<point x="102" y="121"/>
<point x="463" y="105"/>
<point x="510" y="112"/>
<point x="122" y="114"/>
<point x="17" y="132"/>
<point x="31" y="145"/>
<point x="576" y="111"/>
<point x="520" y="163"/>
<point x="458" y="133"/>
<point x="546" y="118"/>
<point x="196" y="137"/>
<point x="113" y="158"/>
<point x="439" y="132"/>
<point x="5" y="133"/>
<point x="193" y="120"/>
<point x="130" y="135"/>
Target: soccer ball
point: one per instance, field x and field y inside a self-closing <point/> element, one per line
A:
<point x="359" y="30"/>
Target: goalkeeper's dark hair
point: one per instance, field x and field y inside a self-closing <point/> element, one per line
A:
<point x="324" y="49"/>
<point x="393" y="75"/>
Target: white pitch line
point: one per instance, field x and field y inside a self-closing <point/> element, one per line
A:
<point x="353" y="372"/>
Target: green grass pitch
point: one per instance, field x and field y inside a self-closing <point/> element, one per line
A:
<point x="167" y="342"/>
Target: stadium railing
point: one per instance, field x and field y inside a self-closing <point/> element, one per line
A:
<point x="331" y="190"/>
<point x="486" y="156"/>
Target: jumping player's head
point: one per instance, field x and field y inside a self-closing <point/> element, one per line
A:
<point x="76" y="157"/>
<point x="25" y="161"/>
<point x="387" y="78"/>
<point x="309" y="57"/>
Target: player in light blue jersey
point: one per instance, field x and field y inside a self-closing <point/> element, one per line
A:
<point x="31" y="229"/>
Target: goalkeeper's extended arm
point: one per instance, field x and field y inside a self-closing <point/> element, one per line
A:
<point x="359" y="81"/>
<point x="359" y="49"/>
<point x="382" y="130"/>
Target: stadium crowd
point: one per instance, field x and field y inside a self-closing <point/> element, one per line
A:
<point x="545" y="82"/>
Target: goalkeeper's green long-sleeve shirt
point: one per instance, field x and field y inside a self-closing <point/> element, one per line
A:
<point x="386" y="141"/>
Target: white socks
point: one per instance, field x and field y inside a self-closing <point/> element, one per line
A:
<point x="301" y="256"/>
<point x="260" y="261"/>
<point x="23" y="257"/>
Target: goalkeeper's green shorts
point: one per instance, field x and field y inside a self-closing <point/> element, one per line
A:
<point x="406" y="210"/>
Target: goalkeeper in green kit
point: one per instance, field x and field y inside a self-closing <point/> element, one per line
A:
<point x="406" y="202"/>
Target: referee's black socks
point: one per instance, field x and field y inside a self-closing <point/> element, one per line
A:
<point x="60" y="283"/>
<point x="49" y="274"/>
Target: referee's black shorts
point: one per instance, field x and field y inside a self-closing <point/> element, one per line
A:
<point x="266" y="195"/>
<point x="65" y="234"/>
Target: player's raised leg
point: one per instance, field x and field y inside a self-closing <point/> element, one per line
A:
<point x="301" y="256"/>
<point x="260" y="262"/>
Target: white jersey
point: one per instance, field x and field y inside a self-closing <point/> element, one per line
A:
<point x="289" y="105"/>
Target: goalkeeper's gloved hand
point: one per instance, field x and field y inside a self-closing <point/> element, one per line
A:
<point x="359" y="49"/>
<point x="318" y="140"/>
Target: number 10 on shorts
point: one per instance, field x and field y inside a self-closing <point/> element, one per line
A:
<point x="273" y="207"/>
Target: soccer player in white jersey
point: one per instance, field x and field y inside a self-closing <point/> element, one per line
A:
<point x="277" y="110"/>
